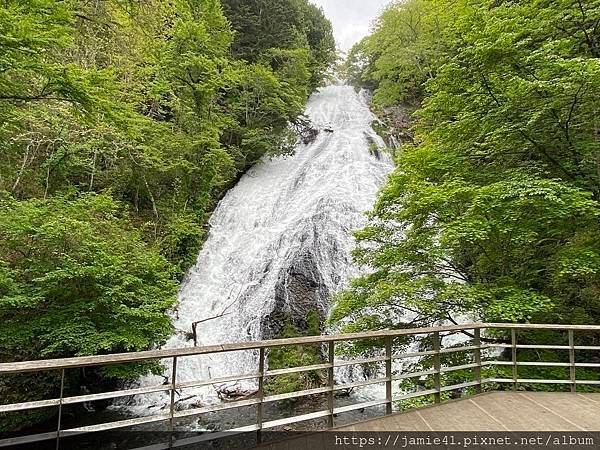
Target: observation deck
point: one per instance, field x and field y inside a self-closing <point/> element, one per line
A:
<point x="480" y="382"/>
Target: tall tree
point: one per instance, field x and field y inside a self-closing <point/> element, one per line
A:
<point x="121" y="126"/>
<point x="264" y="25"/>
<point x="493" y="213"/>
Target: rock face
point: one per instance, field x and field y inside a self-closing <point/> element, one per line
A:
<point x="300" y="289"/>
<point x="280" y="241"/>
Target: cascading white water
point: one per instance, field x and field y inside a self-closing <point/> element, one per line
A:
<point x="279" y="242"/>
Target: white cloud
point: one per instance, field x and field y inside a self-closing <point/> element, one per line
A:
<point x="352" y="19"/>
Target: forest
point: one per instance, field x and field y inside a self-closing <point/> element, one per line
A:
<point x="122" y="123"/>
<point x="492" y="213"/>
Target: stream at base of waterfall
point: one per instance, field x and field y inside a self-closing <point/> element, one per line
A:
<point x="279" y="246"/>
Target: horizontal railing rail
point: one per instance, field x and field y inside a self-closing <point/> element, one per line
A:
<point x="387" y="378"/>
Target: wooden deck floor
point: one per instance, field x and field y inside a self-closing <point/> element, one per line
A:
<point x="489" y="412"/>
<point x="498" y="411"/>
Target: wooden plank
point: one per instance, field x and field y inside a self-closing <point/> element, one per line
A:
<point x="271" y="373"/>
<point x="163" y="446"/>
<point x="416" y="394"/>
<point x="558" y="415"/>
<point x="20" y="440"/>
<point x="457" y="416"/>
<point x="295" y="419"/>
<point x="518" y="414"/>
<point x="340" y="387"/>
<point x="544" y="326"/>
<point x="453" y="387"/>
<point x="410" y="421"/>
<point x="191" y="384"/>
<point x="260" y="394"/>
<point x="115" y="425"/>
<point x="29" y="405"/>
<point x="543" y="347"/>
<point x="413" y="420"/>
<point x="413" y="375"/>
<point x="344" y="409"/>
<point x="114" y="394"/>
<point x="296" y="394"/>
<point x="571" y="407"/>
<point x="590" y="397"/>
<point x="331" y="384"/>
<point x="501" y="411"/>
<point x="537" y="346"/>
<point x="528" y="381"/>
<point x="542" y="364"/>
<point x="459" y="349"/>
<point x="437" y="365"/>
<point x="534" y="381"/>
<point x="477" y="360"/>
<point x="388" y="375"/>
<point x="214" y="408"/>
<point x="102" y="360"/>
<point x="355" y="362"/>
<point x="413" y="354"/>
<point x="455" y="368"/>
<point x="120" y="358"/>
<point x="513" y="340"/>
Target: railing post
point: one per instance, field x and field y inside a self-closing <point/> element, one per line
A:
<point x="513" y="340"/>
<point x="572" y="361"/>
<point x="260" y="394"/>
<point x="60" y="405"/>
<point x="172" y="407"/>
<point x="330" y="383"/>
<point x="388" y="374"/>
<point x="437" y="366"/>
<point x="477" y="358"/>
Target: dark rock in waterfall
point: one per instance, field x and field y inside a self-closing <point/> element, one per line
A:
<point x="300" y="289"/>
<point x="309" y="136"/>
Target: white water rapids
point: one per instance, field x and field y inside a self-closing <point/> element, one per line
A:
<point x="279" y="244"/>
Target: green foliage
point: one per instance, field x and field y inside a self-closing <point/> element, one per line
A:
<point x="144" y="99"/>
<point x="493" y="212"/>
<point x="263" y="26"/>
<point x="121" y="126"/>
<point x="407" y="47"/>
<point x="77" y="279"/>
<point x="296" y="356"/>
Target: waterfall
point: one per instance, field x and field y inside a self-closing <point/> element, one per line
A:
<point x="279" y="242"/>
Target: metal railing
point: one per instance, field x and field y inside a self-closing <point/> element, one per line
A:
<point x="435" y="334"/>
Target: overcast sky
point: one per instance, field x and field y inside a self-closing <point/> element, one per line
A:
<point x="351" y="19"/>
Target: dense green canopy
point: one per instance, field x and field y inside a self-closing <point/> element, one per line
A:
<point x="121" y="125"/>
<point x="264" y="25"/>
<point x="493" y="212"/>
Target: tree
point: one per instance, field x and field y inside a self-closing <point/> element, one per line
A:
<point x="122" y="124"/>
<point x="410" y="42"/>
<point x="265" y="25"/>
<point x="493" y="213"/>
<point x="76" y="279"/>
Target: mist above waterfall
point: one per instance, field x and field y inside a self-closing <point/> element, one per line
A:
<point x="280" y="241"/>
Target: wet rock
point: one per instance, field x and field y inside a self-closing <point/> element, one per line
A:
<point x="300" y="289"/>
